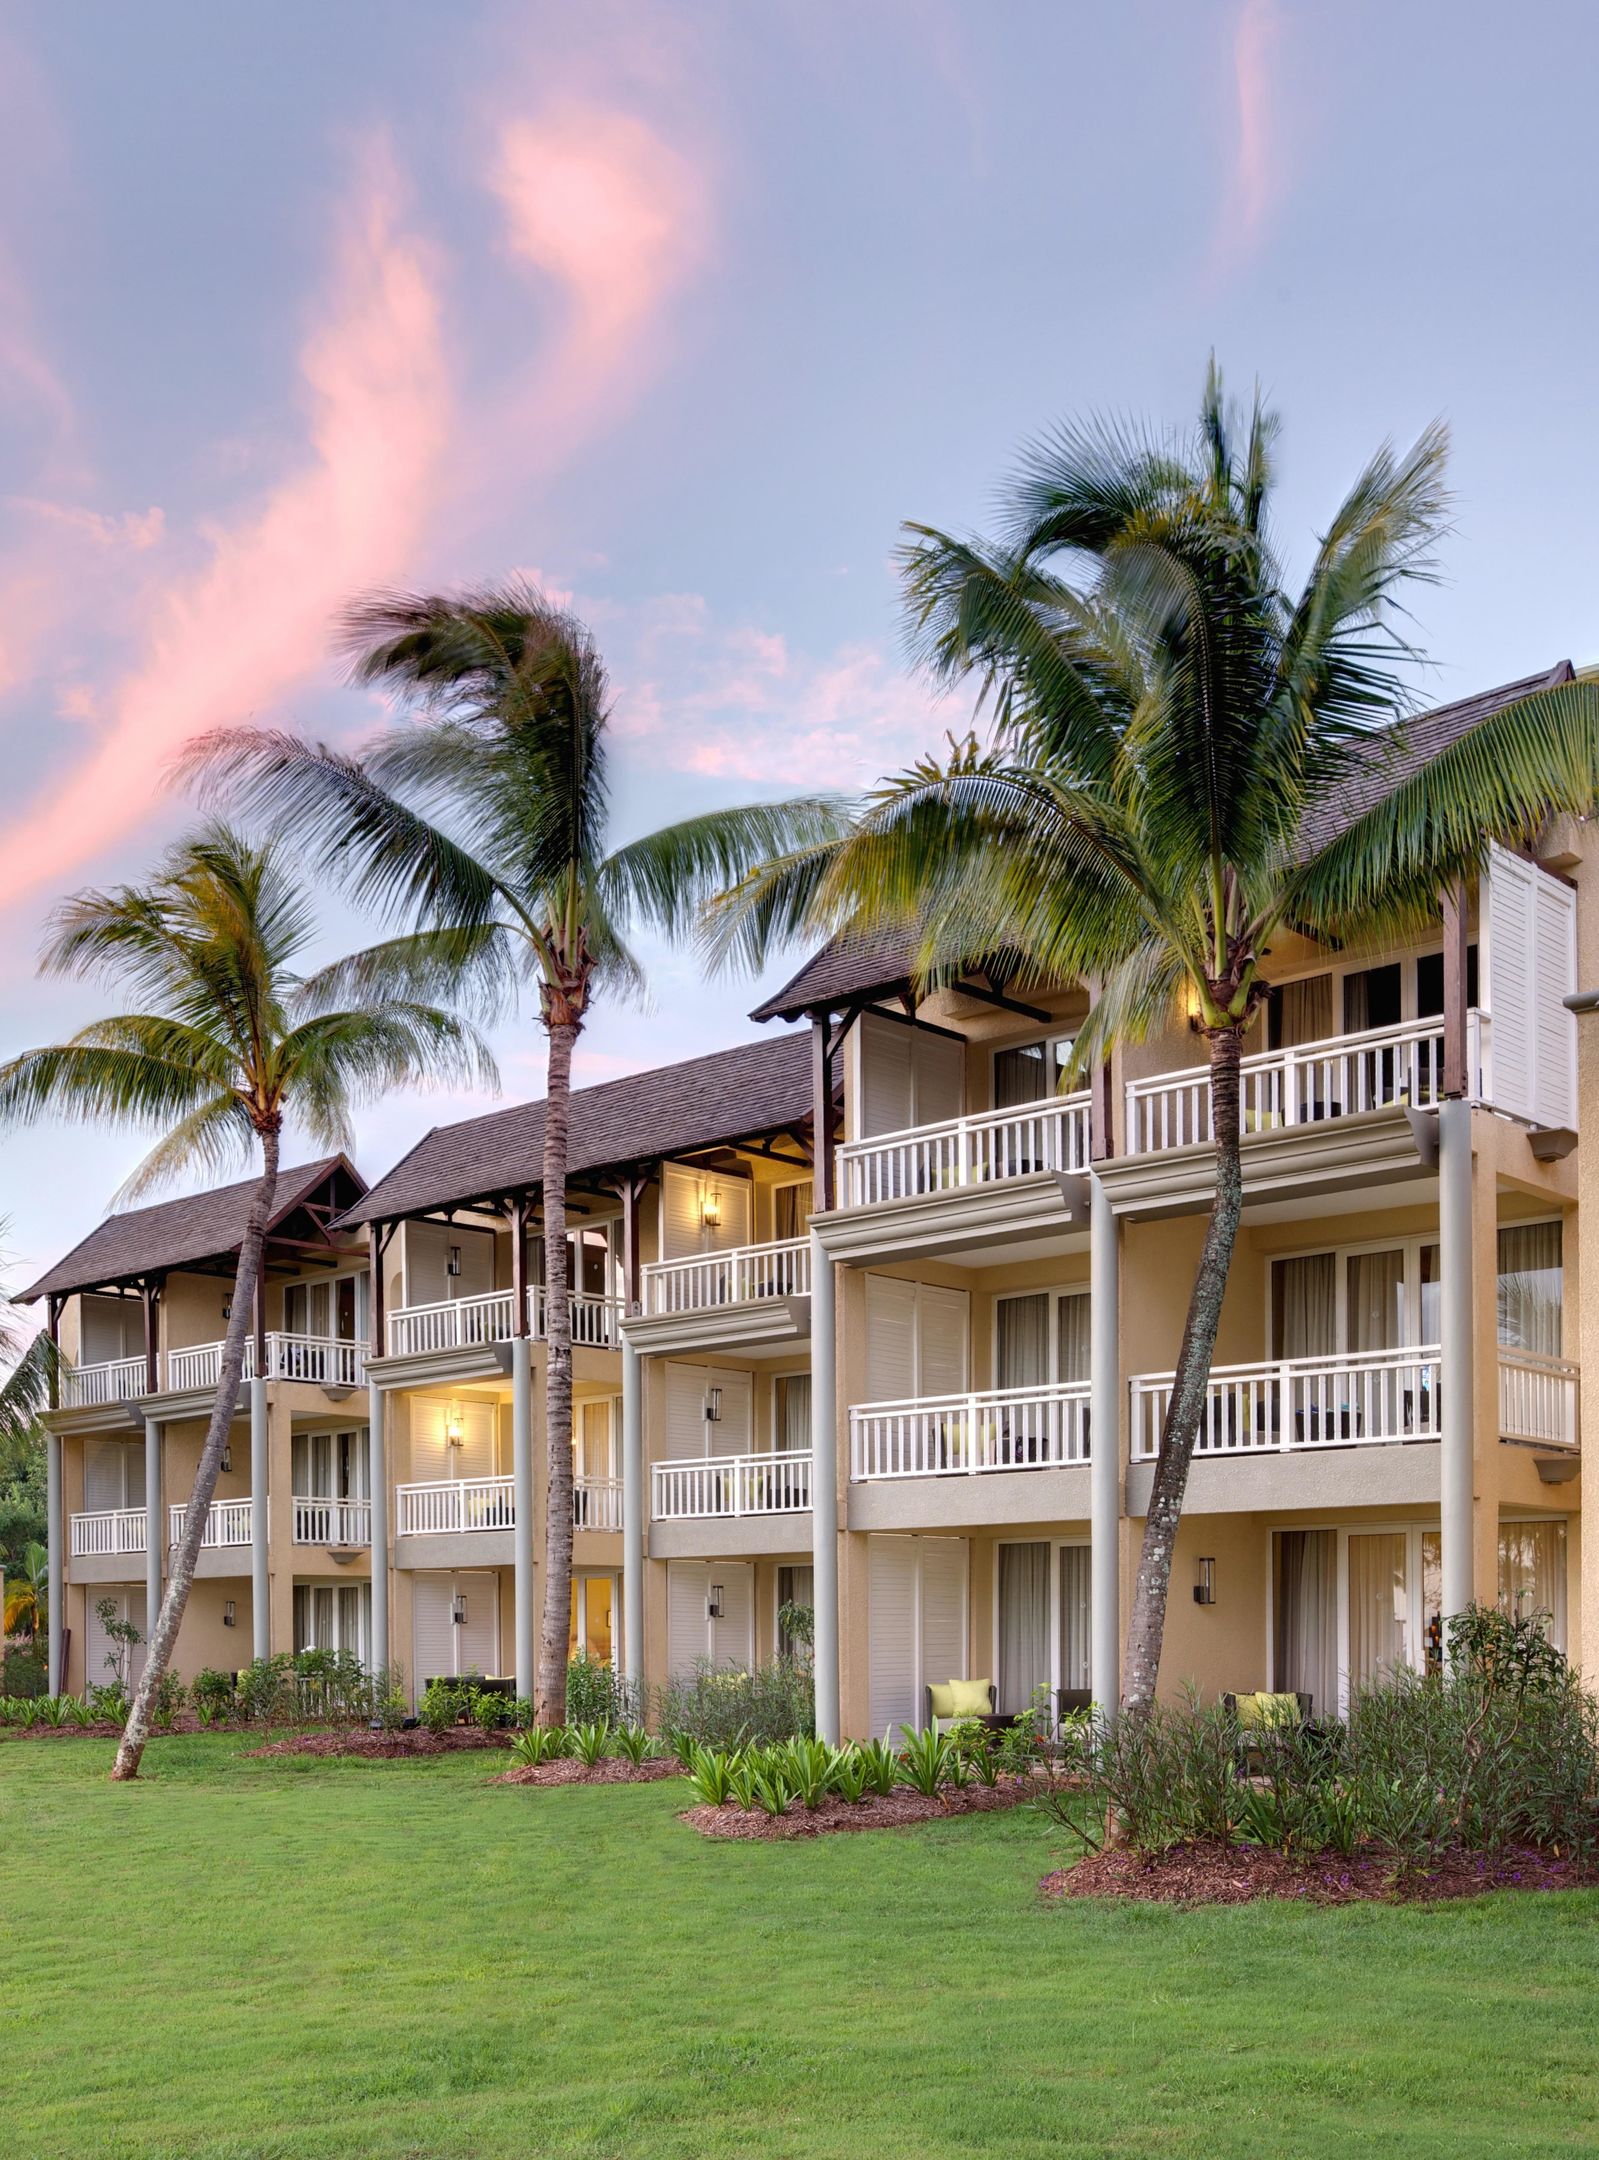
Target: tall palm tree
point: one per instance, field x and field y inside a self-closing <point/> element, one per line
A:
<point x="484" y="834"/>
<point x="27" y="1606"/>
<point x="1164" y="787"/>
<point x="230" y="1039"/>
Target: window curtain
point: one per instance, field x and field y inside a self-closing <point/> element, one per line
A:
<point x="1021" y="1075"/>
<point x="1379" y="1602"/>
<point x="1072" y="1337"/>
<point x="1305" y="1622"/>
<point x="1074" y="1615"/>
<point x="1531" y="1288"/>
<point x="1532" y="1572"/>
<point x="1023" y="1624"/>
<point x="1022" y="1341"/>
<point x="791" y="1211"/>
<point x="795" y="1586"/>
<point x="1304" y="1306"/>
<point x="793" y="1413"/>
<point x="1305" y="1011"/>
<point x="1376" y="1291"/>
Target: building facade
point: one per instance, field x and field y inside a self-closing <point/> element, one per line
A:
<point x="875" y="1317"/>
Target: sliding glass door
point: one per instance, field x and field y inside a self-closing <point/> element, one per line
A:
<point x="1042" y="1617"/>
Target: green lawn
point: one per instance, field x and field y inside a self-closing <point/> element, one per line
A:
<point x="245" y="1958"/>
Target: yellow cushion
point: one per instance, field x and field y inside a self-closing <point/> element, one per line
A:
<point x="939" y="1696"/>
<point x="967" y="1698"/>
<point x="1264" y="1711"/>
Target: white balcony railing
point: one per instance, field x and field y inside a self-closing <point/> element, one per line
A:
<point x="1037" y="1428"/>
<point x="1364" y="1398"/>
<point x="468" y="1323"/>
<point x="1302" y="1086"/>
<point x="116" y="1380"/>
<point x="1537" y="1399"/>
<point x="979" y="1150"/>
<point x="713" y="1485"/>
<point x="448" y="1504"/>
<point x="597" y="1503"/>
<point x="741" y="1277"/>
<point x="108" y="1531"/>
<point x="316" y="1358"/>
<point x="331" y="1522"/>
<point x="227" y="1524"/>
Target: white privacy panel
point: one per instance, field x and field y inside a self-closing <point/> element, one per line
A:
<point x="433" y="1419"/>
<point x="908" y="1076"/>
<point x="685" y="1196"/>
<point x="692" y="1392"/>
<point x="917" y="1599"/>
<point x="1527" y="944"/>
<point x="692" y="1636"/>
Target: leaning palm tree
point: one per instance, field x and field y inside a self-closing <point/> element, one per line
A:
<point x="229" y="1041"/>
<point x="1167" y="782"/>
<point x="32" y="1363"/>
<point x="484" y="835"/>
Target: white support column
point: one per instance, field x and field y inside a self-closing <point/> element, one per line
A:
<point x="824" y="1488"/>
<point x="1455" y="1361"/>
<point x="522" y="1486"/>
<point x="378" y="1486"/>
<point x="57" y="1550"/>
<point x="155" y="1524"/>
<point x="1104" y="1459"/>
<point x="260" y="1585"/>
<point x="632" y="1518"/>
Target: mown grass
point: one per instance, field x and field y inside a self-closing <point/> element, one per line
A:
<point x="240" y="1958"/>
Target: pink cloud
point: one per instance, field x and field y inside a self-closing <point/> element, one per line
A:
<point x="252" y="623"/>
<point x="1252" y="180"/>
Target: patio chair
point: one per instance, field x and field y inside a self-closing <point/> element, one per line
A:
<point x="955" y="1702"/>
<point x="1262" y="1719"/>
<point x="1072" y="1701"/>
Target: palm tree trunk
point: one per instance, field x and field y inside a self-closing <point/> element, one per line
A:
<point x="555" y="1631"/>
<point x="241" y="1316"/>
<point x="1186" y="1404"/>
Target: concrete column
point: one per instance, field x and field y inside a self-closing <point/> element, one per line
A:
<point x="1104" y="1466"/>
<point x="1456" y="1360"/>
<point x="56" y="1545"/>
<point x="824" y="1487"/>
<point x="522" y="1484"/>
<point x="378" y="1481"/>
<point x="155" y="1523"/>
<point x="260" y="1482"/>
<point x="632" y="1518"/>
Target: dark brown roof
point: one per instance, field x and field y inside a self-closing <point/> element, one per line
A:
<point x="854" y="967"/>
<point x="760" y="1087"/>
<point x="182" y="1233"/>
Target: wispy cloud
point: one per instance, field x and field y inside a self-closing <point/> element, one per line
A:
<point x="1253" y="179"/>
<point x="251" y="623"/>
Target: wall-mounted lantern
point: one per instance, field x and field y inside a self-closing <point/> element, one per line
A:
<point x="226" y="1464"/>
<point x="230" y="1616"/>
<point x="711" y="1207"/>
<point x="458" y="1609"/>
<point x="452" y="1265"/>
<point x="454" y="1431"/>
<point x="1205" y="1587"/>
<point x="713" y="1405"/>
<point x="713" y="1603"/>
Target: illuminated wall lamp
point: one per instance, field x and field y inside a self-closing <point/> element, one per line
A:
<point x="1205" y="1587"/>
<point x="454" y="1434"/>
<point x="711" y="1210"/>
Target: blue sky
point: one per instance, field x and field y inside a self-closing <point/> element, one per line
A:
<point x="685" y="308"/>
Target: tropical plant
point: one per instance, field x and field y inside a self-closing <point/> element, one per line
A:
<point x="634" y="1744"/>
<point x="490" y="1711"/>
<point x="214" y="1695"/>
<point x="442" y="1706"/>
<point x="848" y="1773"/>
<point x="27" y="1605"/>
<point x="232" y="1040"/>
<point x="590" y="1743"/>
<point x="1169" y="783"/>
<point x="596" y="1690"/>
<point x="880" y="1765"/>
<point x="539" y="1744"/>
<point x="807" y="1768"/>
<point x="711" y="1771"/>
<point x="928" y="1760"/>
<point x="726" y="1706"/>
<point x="485" y="834"/>
<point x="123" y="1636"/>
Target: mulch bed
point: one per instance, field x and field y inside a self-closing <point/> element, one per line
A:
<point x="1239" y="1874"/>
<point x="386" y="1746"/>
<point x="610" y="1770"/>
<point x="897" y="1811"/>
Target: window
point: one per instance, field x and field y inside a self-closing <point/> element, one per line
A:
<point x="1032" y="1072"/>
<point x="333" y="1616"/>
<point x="1531" y="1288"/>
<point x="1300" y="1012"/>
<point x="593" y="1612"/>
<point x="795" y="1586"/>
<point x="1041" y="1339"/>
<point x="1532" y="1573"/>
<point x="791" y="1413"/>
<point x="1042" y="1621"/>
<point x="791" y="1209"/>
<point x="330" y="1465"/>
<point x="1350" y="1607"/>
<point x="1355" y="1299"/>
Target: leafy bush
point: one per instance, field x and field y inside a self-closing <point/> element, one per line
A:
<point x="807" y="1769"/>
<point x="880" y="1767"/>
<point x="635" y="1745"/>
<point x="214" y="1696"/>
<point x="24" y="1674"/>
<point x="710" y="1772"/>
<point x="929" y="1760"/>
<point x="847" y="1774"/>
<point x="591" y="1742"/>
<point x="267" y="1690"/>
<point x="540" y="1744"/>
<point x="489" y="1712"/>
<point x="731" y="1708"/>
<point x="109" y="1703"/>
<point x="442" y="1706"/>
<point x="596" y="1694"/>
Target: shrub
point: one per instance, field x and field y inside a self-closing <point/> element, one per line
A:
<point x="591" y="1742"/>
<point x="170" y="1698"/>
<point x="634" y="1744"/>
<point x="880" y="1767"/>
<point x="489" y="1712"/>
<point x="54" y="1710"/>
<point x="266" y="1689"/>
<point x="539" y="1744"/>
<point x="807" y="1768"/>
<point x="732" y="1708"/>
<point x="929" y="1760"/>
<point x="214" y="1696"/>
<point x="442" y="1706"/>
<point x="109" y="1703"/>
<point x="847" y="1773"/>
<point x="24" y="1674"/>
<point x="710" y="1772"/>
<point x="596" y="1694"/>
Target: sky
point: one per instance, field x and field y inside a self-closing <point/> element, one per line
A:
<point x="683" y="310"/>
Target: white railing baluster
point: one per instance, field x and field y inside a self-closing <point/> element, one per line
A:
<point x="979" y="1150"/>
<point x="1000" y="1429"/>
<point x="742" y="1276"/>
<point x="775" y="1483"/>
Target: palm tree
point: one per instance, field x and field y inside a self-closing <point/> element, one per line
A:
<point x="484" y="835"/>
<point x="27" y="1607"/>
<point x="1163" y="791"/>
<point x="229" y="1041"/>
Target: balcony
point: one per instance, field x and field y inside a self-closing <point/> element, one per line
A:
<point x="1038" y="1428"/>
<point x="1537" y="1399"/>
<point x="1343" y="1076"/>
<point x="314" y="1358"/>
<point x="717" y="1486"/>
<point x="447" y="1507"/>
<point x="228" y="1524"/>
<point x="108" y="1532"/>
<point x="118" y="1380"/>
<point x="331" y="1522"/>
<point x="993" y="1148"/>
<point x="473" y="1323"/>
<point x="706" y="1282"/>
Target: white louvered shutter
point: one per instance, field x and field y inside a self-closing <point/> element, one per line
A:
<point x="477" y="1638"/>
<point x="944" y="1609"/>
<point x="943" y="1326"/>
<point x="890" y="1339"/>
<point x="730" y="1434"/>
<point x="432" y="1630"/>
<point x="686" y="1427"/>
<point x="687" y="1628"/>
<point x="733" y="1636"/>
<point x="939" y="1066"/>
<point x="104" y="1476"/>
<point x="684" y="1230"/>
<point x="893" y="1678"/>
<point x="1554" y="918"/>
<point x="887" y="1087"/>
<point x="1507" y="915"/>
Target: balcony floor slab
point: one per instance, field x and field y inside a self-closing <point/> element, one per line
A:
<point x="985" y="1498"/>
<point x="1402" y="1475"/>
<point x="732" y="1537"/>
